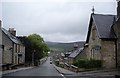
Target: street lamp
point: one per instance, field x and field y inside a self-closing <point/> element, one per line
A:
<point x="33" y="57"/>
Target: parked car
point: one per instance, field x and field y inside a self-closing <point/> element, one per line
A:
<point x="50" y="62"/>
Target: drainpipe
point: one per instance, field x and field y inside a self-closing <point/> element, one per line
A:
<point x="13" y="54"/>
<point x="116" y="53"/>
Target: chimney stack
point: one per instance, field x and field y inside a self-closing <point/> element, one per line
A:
<point x="12" y="31"/>
<point x="75" y="46"/>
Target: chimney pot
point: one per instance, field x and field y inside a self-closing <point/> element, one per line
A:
<point x="12" y="31"/>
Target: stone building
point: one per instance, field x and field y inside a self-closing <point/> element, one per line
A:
<point x="116" y="27"/>
<point x="101" y="40"/>
<point x="13" y="49"/>
<point x="75" y="55"/>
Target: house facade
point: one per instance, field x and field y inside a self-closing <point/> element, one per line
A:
<point x="116" y="27"/>
<point x="101" y="40"/>
<point x="13" y="49"/>
<point x="117" y="31"/>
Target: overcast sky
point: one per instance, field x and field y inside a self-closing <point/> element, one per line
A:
<point x="54" y="20"/>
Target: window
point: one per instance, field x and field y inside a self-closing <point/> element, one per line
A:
<point x="95" y="52"/>
<point x="2" y="47"/>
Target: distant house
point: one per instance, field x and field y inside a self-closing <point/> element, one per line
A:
<point x="13" y="49"/>
<point x="75" y="55"/>
<point x="62" y="56"/>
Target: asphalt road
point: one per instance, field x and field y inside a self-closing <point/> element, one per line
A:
<point x="47" y="70"/>
<point x="44" y="70"/>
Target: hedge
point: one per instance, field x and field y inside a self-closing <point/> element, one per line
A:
<point x="88" y="63"/>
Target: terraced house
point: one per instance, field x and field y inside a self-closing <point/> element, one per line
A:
<point x="13" y="49"/>
<point x="103" y="39"/>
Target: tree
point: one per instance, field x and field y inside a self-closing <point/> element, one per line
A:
<point x="34" y="43"/>
<point x="38" y="45"/>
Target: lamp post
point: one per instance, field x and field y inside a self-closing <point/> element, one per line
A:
<point x="33" y="57"/>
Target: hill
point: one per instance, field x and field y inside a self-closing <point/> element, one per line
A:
<point x="56" y="46"/>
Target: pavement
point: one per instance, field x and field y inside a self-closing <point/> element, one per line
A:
<point x="22" y="68"/>
<point x="103" y="72"/>
<point x="63" y="71"/>
<point x="44" y="70"/>
<point x="15" y="70"/>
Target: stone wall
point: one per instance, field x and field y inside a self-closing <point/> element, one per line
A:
<point x="22" y="52"/>
<point x="86" y="52"/>
<point x="118" y="43"/>
<point x="100" y="49"/>
<point x="108" y="54"/>
<point x="19" y="50"/>
<point x="117" y="32"/>
<point x="94" y="41"/>
<point x="7" y="49"/>
<point x="70" y="61"/>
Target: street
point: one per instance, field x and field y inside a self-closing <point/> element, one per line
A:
<point x="47" y="70"/>
<point x="44" y="70"/>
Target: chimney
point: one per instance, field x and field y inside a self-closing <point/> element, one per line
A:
<point x="75" y="46"/>
<point x="118" y="8"/>
<point x="12" y="31"/>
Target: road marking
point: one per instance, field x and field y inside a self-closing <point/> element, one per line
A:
<point x="62" y="75"/>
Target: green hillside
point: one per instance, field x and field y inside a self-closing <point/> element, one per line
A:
<point x="56" y="46"/>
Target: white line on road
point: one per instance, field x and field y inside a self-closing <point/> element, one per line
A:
<point x="62" y="75"/>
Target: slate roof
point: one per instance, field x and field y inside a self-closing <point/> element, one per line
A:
<point x="12" y="38"/>
<point x="103" y="25"/>
<point x="75" y="53"/>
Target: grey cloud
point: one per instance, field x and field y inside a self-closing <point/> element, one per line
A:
<point x="64" y="21"/>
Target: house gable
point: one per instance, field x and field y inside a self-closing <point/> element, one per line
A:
<point x="101" y="34"/>
<point x="14" y="50"/>
<point x="11" y="37"/>
<point x="103" y="25"/>
<point x="7" y="49"/>
<point x="94" y="43"/>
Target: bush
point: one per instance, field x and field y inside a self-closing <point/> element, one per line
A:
<point x="56" y="63"/>
<point x="94" y="63"/>
<point x="88" y="63"/>
<point x="61" y="65"/>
